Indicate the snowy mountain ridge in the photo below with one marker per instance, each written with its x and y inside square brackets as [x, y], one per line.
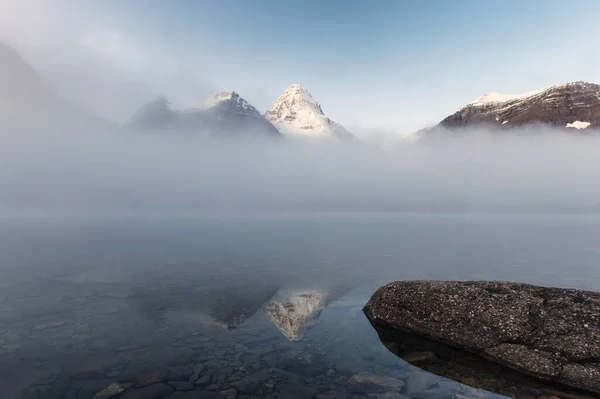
[497, 98]
[572, 106]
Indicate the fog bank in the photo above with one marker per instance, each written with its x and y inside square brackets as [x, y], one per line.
[117, 173]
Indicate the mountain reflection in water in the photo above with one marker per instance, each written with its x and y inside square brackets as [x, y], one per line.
[295, 311]
[260, 340]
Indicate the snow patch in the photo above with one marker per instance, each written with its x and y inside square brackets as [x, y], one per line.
[578, 125]
[218, 97]
[495, 98]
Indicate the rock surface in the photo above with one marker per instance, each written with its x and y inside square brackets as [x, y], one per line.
[549, 333]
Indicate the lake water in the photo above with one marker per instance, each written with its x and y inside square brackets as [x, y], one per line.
[249, 306]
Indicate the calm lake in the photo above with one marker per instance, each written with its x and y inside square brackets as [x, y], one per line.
[238, 306]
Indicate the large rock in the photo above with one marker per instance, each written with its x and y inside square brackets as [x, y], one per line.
[549, 333]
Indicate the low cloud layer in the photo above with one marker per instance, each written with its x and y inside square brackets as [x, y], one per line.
[84, 173]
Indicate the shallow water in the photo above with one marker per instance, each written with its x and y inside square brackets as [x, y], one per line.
[264, 306]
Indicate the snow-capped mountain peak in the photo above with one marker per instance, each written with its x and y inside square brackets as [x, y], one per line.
[296, 112]
[297, 96]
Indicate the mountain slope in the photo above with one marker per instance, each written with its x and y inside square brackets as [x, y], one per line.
[223, 114]
[155, 115]
[297, 113]
[231, 114]
[27, 101]
[572, 106]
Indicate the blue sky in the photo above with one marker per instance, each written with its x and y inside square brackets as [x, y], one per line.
[398, 65]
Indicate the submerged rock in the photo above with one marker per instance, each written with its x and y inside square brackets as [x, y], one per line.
[153, 377]
[417, 358]
[156, 391]
[110, 392]
[552, 334]
[367, 382]
[196, 395]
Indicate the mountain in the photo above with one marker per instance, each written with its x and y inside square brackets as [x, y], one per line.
[28, 102]
[295, 311]
[223, 114]
[418, 135]
[573, 106]
[155, 115]
[231, 114]
[297, 113]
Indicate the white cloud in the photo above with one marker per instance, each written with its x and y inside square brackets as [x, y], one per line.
[113, 47]
[109, 43]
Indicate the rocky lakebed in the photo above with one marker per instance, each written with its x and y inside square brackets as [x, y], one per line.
[63, 338]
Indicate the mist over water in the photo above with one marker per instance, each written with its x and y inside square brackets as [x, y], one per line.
[80, 173]
[134, 294]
